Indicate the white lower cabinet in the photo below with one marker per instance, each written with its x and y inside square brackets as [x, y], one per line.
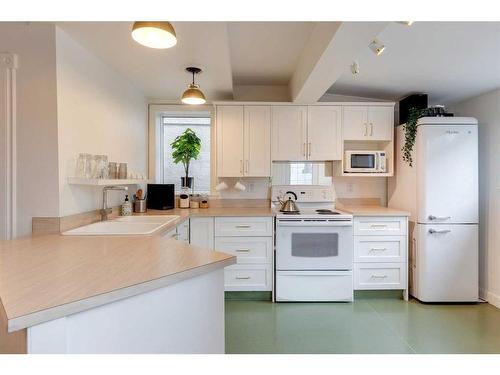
[250, 239]
[249, 250]
[381, 253]
[380, 276]
[180, 232]
[202, 232]
[248, 277]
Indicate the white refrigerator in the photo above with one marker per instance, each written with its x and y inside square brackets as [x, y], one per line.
[441, 192]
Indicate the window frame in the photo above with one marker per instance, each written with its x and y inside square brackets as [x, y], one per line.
[155, 145]
[161, 133]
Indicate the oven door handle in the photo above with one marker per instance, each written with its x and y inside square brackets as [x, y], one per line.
[309, 224]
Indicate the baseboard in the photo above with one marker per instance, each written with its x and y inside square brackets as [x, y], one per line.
[248, 296]
[493, 299]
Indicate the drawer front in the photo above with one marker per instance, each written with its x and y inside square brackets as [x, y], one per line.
[380, 249]
[379, 276]
[244, 226]
[380, 226]
[248, 277]
[247, 249]
[314, 286]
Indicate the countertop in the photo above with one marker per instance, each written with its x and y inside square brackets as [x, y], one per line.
[50, 276]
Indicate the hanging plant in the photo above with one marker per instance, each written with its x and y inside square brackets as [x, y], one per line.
[410, 129]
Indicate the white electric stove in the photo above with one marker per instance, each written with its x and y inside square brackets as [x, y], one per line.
[314, 248]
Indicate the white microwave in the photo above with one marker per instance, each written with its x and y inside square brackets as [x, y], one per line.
[361, 161]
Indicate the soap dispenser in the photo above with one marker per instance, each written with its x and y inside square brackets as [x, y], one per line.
[126, 209]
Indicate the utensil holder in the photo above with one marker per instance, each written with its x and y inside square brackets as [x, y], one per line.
[140, 206]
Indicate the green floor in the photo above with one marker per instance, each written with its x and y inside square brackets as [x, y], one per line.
[369, 325]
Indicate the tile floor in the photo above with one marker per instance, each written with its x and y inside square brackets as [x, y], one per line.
[368, 325]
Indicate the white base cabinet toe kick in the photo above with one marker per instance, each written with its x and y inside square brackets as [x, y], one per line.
[381, 253]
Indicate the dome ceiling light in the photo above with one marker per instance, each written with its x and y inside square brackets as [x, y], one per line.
[193, 95]
[154, 34]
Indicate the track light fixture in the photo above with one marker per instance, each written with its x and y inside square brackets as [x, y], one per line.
[376, 47]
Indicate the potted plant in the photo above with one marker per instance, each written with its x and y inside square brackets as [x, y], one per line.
[410, 129]
[186, 147]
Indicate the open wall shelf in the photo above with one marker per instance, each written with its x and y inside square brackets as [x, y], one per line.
[105, 182]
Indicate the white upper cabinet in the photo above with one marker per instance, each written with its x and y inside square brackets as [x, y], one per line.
[372, 123]
[355, 124]
[257, 141]
[324, 127]
[289, 133]
[230, 158]
[243, 141]
[381, 121]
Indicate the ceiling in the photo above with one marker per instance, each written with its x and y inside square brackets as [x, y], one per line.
[450, 61]
[160, 73]
[266, 53]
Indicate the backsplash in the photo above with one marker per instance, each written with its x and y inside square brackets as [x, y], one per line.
[345, 187]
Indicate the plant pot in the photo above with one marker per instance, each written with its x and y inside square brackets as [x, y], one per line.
[187, 184]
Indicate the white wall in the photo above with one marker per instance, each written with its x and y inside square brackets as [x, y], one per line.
[99, 112]
[486, 108]
[37, 172]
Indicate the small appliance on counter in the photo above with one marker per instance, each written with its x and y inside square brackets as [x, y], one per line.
[184, 200]
[161, 197]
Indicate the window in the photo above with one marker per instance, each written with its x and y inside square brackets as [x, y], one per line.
[170, 128]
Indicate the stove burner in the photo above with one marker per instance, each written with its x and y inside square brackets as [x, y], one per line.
[327, 212]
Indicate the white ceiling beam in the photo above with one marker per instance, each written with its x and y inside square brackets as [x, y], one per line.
[330, 50]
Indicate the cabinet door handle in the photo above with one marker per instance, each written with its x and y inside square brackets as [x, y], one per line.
[241, 166]
[378, 249]
[432, 217]
[304, 149]
[247, 166]
[371, 129]
[366, 129]
[309, 149]
[243, 226]
[242, 250]
[434, 231]
[378, 225]
[242, 277]
[379, 276]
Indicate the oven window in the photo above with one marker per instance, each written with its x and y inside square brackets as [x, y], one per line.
[315, 245]
[362, 161]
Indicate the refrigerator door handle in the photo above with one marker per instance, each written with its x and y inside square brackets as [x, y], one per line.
[432, 217]
[434, 231]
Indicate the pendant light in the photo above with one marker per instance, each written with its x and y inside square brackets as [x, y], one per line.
[157, 34]
[193, 94]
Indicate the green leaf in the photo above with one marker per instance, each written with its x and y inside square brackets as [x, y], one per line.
[410, 129]
[186, 147]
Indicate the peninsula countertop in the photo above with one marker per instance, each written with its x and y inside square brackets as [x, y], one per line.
[46, 277]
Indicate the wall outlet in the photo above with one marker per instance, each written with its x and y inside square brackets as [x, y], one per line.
[350, 187]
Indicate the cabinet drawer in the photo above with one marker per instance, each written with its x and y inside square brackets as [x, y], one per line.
[248, 277]
[380, 249]
[379, 276]
[247, 249]
[380, 226]
[244, 226]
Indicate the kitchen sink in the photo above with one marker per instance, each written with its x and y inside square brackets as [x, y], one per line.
[124, 225]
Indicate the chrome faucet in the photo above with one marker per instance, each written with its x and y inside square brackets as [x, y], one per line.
[105, 211]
